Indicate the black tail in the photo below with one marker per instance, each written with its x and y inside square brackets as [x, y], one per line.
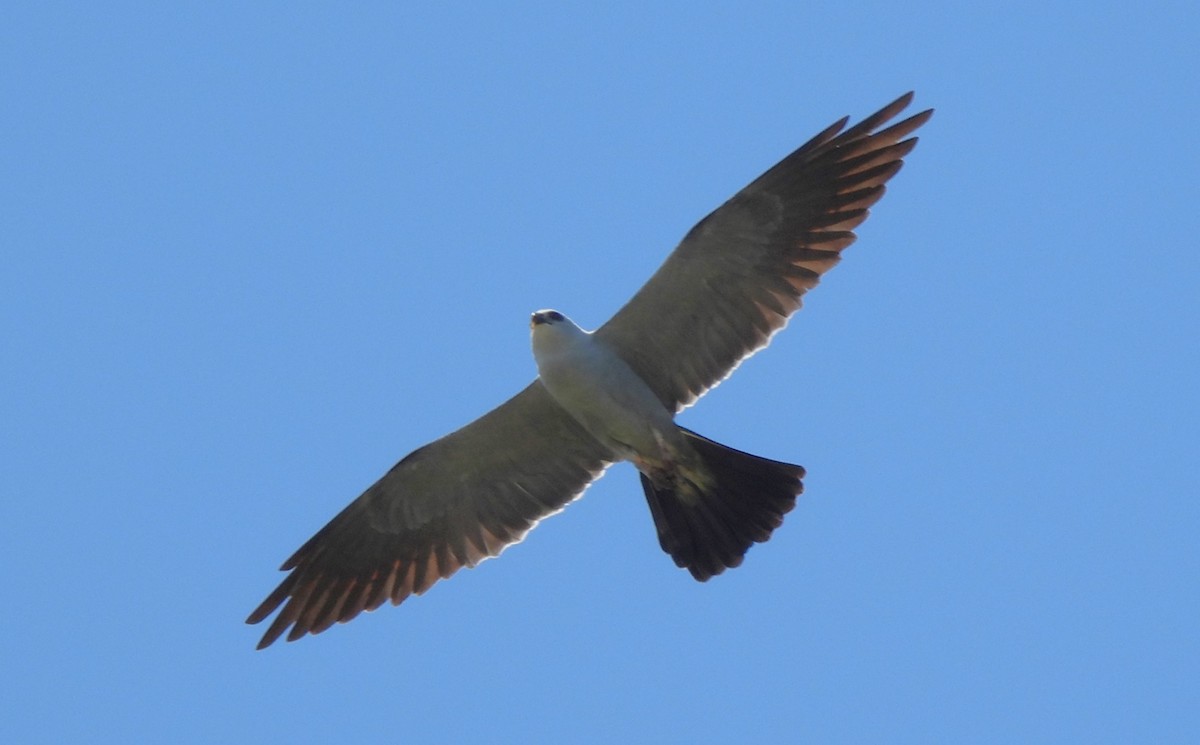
[747, 502]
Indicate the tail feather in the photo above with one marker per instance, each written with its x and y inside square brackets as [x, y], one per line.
[745, 504]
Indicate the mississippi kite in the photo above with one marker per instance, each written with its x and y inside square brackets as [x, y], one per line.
[611, 395]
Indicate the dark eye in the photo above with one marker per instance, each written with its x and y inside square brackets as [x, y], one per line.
[555, 315]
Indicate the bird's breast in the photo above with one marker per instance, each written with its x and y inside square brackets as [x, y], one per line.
[607, 397]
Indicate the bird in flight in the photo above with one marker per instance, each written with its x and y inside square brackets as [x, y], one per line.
[612, 395]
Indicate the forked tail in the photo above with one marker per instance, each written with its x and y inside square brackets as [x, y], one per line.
[745, 504]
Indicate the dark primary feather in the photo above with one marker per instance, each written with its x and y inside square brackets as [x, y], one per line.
[448, 505]
[739, 274]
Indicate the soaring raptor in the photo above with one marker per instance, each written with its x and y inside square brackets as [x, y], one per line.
[612, 395]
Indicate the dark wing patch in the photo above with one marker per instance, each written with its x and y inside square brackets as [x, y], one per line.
[448, 505]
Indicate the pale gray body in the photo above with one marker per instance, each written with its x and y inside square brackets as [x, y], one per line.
[612, 402]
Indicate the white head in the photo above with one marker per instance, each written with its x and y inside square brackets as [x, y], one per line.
[552, 332]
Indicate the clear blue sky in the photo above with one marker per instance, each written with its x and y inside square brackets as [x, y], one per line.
[252, 257]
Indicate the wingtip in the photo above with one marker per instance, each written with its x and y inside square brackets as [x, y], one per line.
[259, 614]
[902, 103]
[922, 116]
[895, 107]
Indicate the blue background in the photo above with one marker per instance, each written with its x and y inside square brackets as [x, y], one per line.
[253, 256]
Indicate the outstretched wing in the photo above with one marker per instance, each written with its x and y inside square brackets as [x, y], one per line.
[739, 274]
[448, 505]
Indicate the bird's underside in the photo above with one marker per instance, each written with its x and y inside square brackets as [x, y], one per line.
[733, 281]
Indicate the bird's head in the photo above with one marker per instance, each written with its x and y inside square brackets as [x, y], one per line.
[547, 318]
[552, 331]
